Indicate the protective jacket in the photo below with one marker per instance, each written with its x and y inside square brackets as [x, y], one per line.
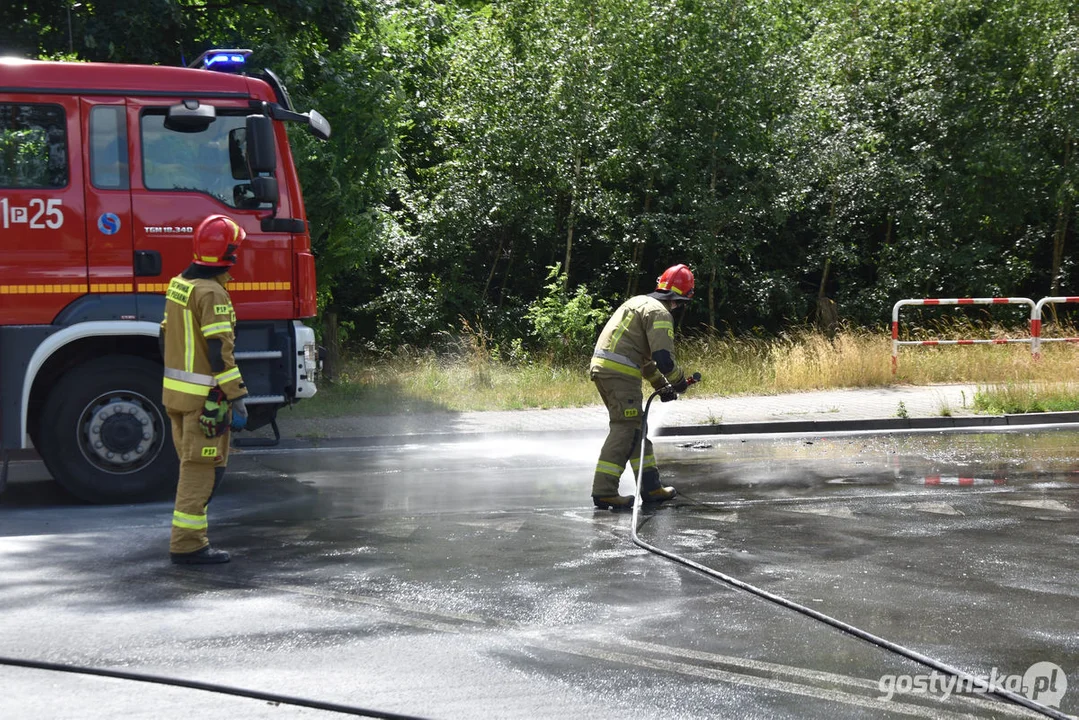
[198, 338]
[638, 341]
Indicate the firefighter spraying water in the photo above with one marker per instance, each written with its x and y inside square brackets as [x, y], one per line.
[637, 342]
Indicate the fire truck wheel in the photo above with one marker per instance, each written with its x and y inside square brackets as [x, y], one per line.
[105, 436]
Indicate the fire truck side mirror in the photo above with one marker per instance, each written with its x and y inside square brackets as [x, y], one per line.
[264, 189]
[261, 153]
[320, 126]
[190, 116]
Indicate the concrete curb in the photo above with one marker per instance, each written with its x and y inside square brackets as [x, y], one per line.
[798, 427]
[810, 427]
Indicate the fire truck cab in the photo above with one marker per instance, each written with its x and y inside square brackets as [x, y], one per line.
[105, 170]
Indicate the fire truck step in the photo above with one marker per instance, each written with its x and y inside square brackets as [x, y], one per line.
[260, 442]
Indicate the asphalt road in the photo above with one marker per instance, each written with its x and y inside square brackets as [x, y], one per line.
[469, 577]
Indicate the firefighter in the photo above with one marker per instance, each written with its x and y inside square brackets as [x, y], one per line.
[203, 391]
[637, 342]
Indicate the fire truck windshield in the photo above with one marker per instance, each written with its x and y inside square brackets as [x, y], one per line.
[212, 161]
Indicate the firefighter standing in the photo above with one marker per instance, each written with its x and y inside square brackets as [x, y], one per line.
[202, 383]
[637, 342]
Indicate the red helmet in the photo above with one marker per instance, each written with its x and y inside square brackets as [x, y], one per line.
[676, 283]
[217, 238]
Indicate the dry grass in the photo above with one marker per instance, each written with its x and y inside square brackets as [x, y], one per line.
[472, 375]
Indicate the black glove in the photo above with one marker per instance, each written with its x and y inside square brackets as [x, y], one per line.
[667, 393]
[681, 386]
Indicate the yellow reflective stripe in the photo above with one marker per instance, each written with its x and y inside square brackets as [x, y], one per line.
[663, 325]
[66, 289]
[197, 378]
[608, 355]
[189, 341]
[216, 328]
[228, 376]
[649, 461]
[142, 288]
[607, 468]
[192, 522]
[185, 387]
[251, 286]
[622, 327]
[617, 367]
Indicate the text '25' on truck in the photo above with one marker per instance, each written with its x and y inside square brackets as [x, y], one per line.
[105, 170]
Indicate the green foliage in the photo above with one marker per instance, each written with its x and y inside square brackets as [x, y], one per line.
[1015, 398]
[25, 154]
[793, 152]
[566, 325]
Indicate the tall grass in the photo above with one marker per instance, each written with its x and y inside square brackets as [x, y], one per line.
[473, 373]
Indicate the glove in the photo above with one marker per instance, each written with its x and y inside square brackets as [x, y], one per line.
[215, 411]
[681, 386]
[667, 393]
[239, 414]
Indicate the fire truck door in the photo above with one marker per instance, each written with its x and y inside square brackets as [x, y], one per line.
[109, 232]
[181, 178]
[42, 247]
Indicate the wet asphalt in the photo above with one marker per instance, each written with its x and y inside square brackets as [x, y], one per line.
[466, 576]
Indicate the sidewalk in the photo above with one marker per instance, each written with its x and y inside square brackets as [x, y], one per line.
[891, 408]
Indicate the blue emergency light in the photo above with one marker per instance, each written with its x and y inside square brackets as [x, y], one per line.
[230, 60]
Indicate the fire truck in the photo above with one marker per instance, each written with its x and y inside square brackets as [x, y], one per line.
[105, 170]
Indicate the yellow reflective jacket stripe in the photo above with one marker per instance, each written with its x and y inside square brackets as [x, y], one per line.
[189, 341]
[626, 320]
[227, 376]
[184, 387]
[189, 377]
[617, 367]
[216, 328]
[615, 357]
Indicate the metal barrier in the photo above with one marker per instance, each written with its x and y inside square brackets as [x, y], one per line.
[1036, 325]
[937, 480]
[896, 342]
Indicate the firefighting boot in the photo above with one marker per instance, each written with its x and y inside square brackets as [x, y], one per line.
[613, 502]
[204, 556]
[651, 489]
[660, 494]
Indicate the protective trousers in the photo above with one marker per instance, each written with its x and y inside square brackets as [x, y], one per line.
[202, 465]
[622, 396]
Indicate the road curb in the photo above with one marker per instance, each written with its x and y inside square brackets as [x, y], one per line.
[809, 427]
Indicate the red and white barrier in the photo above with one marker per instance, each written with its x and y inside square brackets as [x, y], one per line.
[935, 480]
[1036, 325]
[896, 342]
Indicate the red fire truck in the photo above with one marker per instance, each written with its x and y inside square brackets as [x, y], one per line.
[105, 170]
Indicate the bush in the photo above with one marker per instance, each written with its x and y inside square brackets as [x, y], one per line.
[566, 325]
